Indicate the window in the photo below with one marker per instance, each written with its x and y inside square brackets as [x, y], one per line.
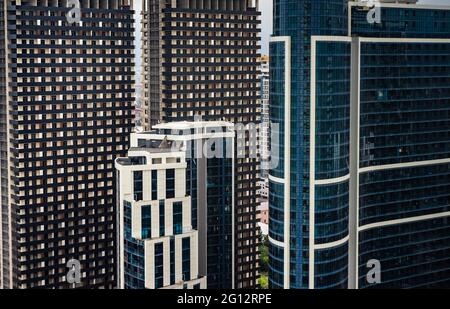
[186, 256]
[170, 183]
[146, 222]
[137, 180]
[162, 225]
[159, 266]
[177, 218]
[154, 185]
[172, 260]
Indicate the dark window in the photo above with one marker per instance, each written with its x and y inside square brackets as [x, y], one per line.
[170, 183]
[186, 256]
[146, 221]
[154, 185]
[177, 218]
[137, 180]
[159, 269]
[172, 261]
[162, 225]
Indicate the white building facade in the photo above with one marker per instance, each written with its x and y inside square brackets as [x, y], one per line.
[177, 207]
[158, 248]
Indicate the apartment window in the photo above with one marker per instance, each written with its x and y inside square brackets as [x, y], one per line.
[137, 180]
[170, 183]
[154, 185]
[159, 266]
[162, 225]
[146, 219]
[186, 256]
[172, 260]
[177, 218]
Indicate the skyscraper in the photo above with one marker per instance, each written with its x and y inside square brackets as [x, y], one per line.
[66, 114]
[361, 94]
[167, 168]
[265, 124]
[201, 59]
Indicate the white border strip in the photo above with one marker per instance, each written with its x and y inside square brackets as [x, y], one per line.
[403, 165]
[333, 244]
[276, 242]
[312, 162]
[402, 40]
[330, 181]
[403, 221]
[287, 155]
[276, 179]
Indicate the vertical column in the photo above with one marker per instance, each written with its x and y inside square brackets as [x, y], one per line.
[287, 156]
[202, 211]
[312, 164]
[354, 162]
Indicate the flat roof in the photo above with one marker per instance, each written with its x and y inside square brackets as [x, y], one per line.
[185, 125]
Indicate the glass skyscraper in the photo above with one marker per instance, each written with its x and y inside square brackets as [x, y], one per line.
[364, 173]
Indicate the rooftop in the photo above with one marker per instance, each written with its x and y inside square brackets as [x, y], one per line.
[186, 125]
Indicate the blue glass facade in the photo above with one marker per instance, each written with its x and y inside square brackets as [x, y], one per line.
[411, 255]
[403, 22]
[299, 20]
[219, 222]
[219, 204]
[332, 158]
[134, 259]
[331, 268]
[404, 106]
[404, 146]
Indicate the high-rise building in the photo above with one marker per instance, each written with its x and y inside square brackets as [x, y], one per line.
[265, 121]
[362, 96]
[188, 165]
[201, 59]
[157, 244]
[66, 114]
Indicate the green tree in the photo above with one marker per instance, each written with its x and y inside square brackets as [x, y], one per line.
[264, 263]
[264, 282]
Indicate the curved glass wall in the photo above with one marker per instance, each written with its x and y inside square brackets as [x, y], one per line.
[276, 267]
[404, 192]
[332, 213]
[332, 109]
[276, 211]
[299, 20]
[331, 268]
[405, 90]
[411, 255]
